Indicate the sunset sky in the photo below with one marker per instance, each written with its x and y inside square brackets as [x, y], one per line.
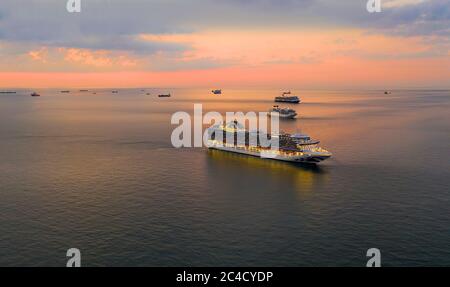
[177, 43]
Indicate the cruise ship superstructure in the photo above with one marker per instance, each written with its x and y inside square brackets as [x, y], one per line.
[292, 148]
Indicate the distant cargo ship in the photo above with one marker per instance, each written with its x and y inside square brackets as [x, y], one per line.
[65, 92]
[217, 92]
[292, 148]
[285, 98]
[7, 92]
[34, 94]
[165, 95]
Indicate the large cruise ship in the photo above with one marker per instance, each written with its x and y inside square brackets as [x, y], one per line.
[292, 148]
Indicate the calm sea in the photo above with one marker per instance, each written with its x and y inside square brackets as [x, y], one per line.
[98, 172]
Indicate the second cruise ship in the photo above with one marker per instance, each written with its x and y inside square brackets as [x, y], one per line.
[286, 97]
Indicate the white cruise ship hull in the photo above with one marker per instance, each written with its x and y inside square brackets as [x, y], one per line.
[309, 157]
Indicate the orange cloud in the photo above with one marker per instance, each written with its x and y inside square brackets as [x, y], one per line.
[260, 47]
[293, 58]
[39, 55]
[96, 58]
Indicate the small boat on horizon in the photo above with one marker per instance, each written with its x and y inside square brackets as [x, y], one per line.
[164, 95]
[7, 92]
[65, 92]
[34, 94]
[282, 113]
[115, 92]
[217, 92]
[84, 90]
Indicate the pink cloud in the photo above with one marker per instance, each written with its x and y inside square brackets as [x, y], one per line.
[39, 55]
[96, 58]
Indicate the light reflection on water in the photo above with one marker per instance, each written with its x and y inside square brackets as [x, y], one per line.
[302, 178]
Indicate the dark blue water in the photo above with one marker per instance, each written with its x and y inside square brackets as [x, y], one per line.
[98, 172]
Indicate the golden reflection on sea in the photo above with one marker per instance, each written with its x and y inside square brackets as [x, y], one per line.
[303, 177]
